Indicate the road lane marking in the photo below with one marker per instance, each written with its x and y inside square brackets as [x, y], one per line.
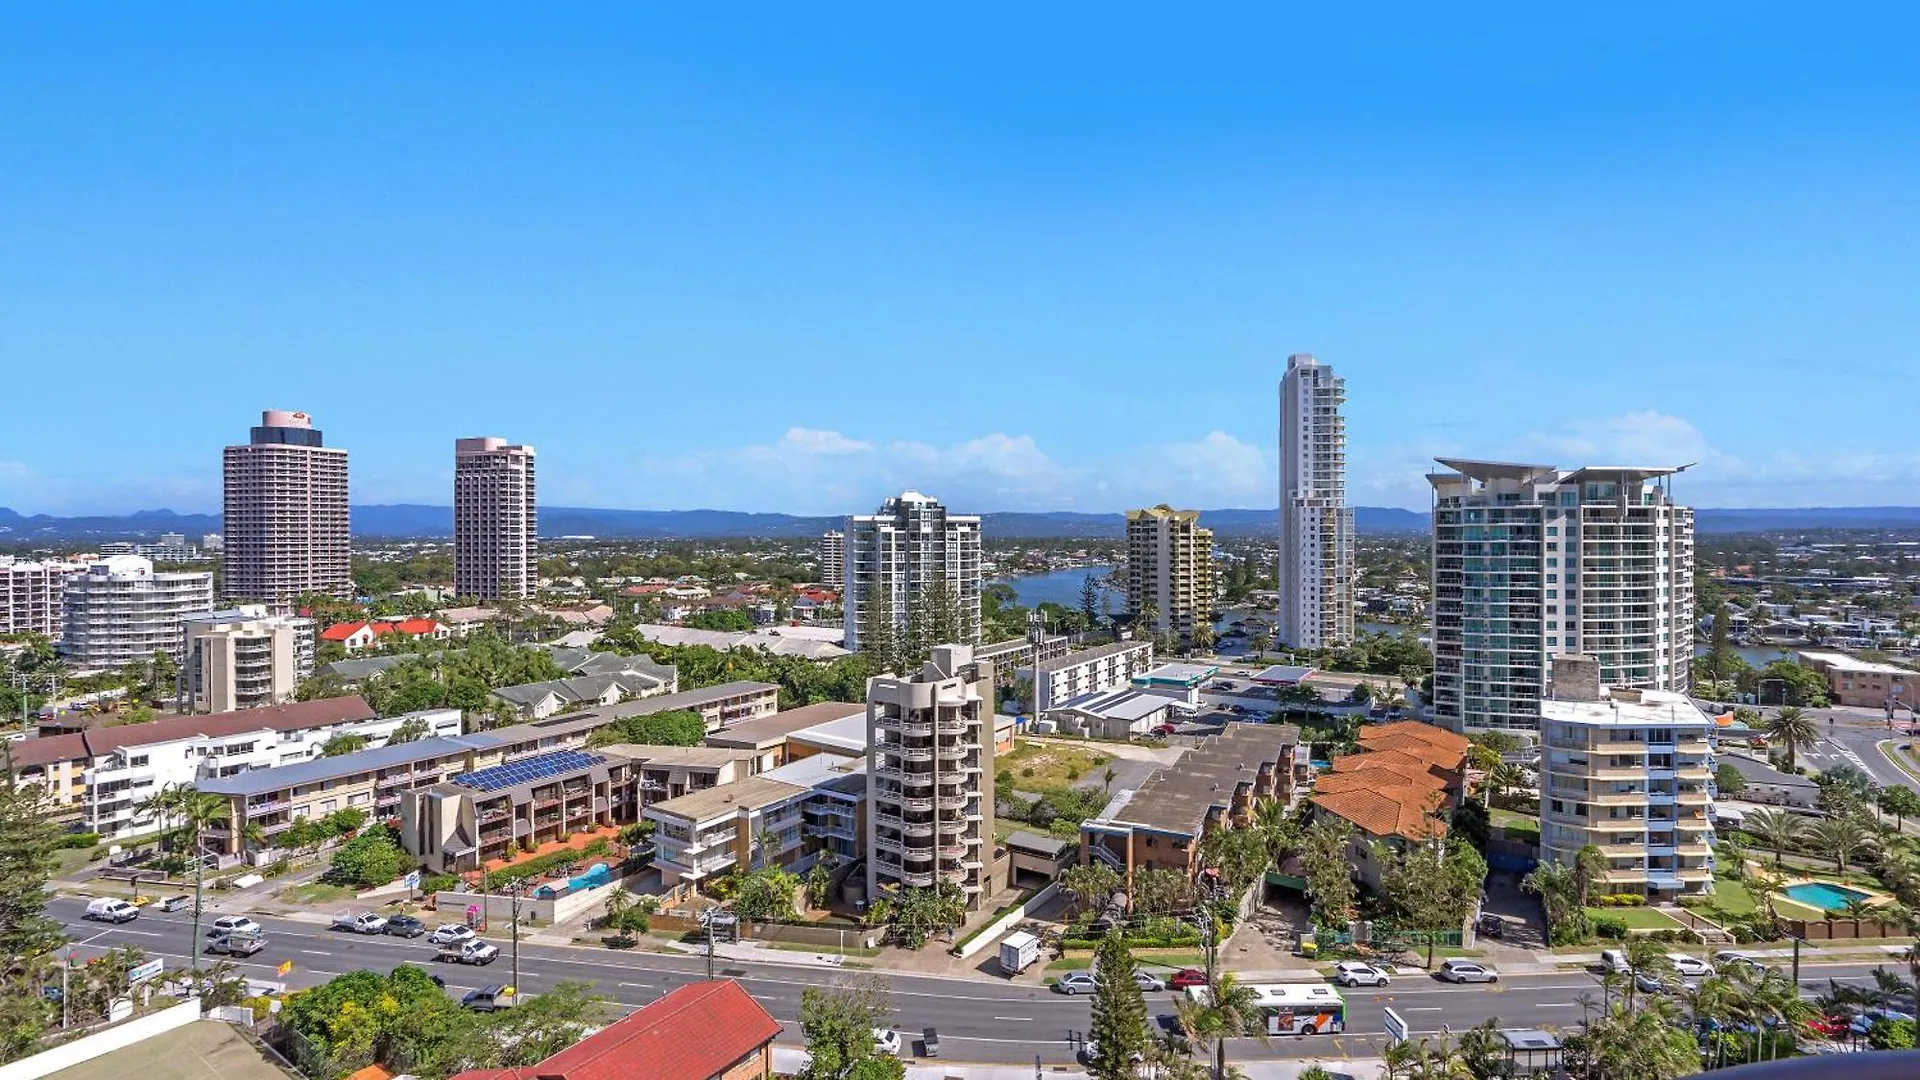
[1556, 1004]
[92, 939]
[1027, 1019]
[1424, 1008]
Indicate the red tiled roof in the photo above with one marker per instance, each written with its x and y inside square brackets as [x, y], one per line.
[1437, 737]
[693, 1033]
[30, 753]
[300, 714]
[1386, 811]
[416, 626]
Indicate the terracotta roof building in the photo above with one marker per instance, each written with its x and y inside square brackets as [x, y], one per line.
[1398, 788]
[702, 1031]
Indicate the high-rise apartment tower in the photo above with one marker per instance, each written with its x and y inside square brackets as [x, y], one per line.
[1316, 524]
[286, 530]
[833, 558]
[1531, 562]
[930, 777]
[1170, 564]
[495, 521]
[894, 557]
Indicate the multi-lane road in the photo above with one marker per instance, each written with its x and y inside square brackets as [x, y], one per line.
[978, 1020]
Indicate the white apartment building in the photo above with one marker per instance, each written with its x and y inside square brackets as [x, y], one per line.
[1531, 562]
[1629, 771]
[1316, 524]
[129, 764]
[244, 658]
[170, 548]
[286, 528]
[894, 556]
[1089, 671]
[31, 595]
[121, 612]
[1170, 563]
[930, 777]
[495, 520]
[833, 558]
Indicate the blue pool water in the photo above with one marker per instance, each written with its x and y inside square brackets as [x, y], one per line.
[1821, 895]
[596, 875]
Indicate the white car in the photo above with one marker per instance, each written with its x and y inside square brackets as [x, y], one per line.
[1148, 982]
[886, 1041]
[1689, 965]
[1075, 982]
[1736, 958]
[1353, 973]
[1466, 971]
[362, 923]
[451, 934]
[234, 924]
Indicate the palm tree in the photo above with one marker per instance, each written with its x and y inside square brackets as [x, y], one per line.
[1230, 1009]
[1855, 909]
[1902, 803]
[1776, 829]
[1842, 838]
[1503, 778]
[1792, 728]
[1553, 883]
[196, 811]
[1146, 617]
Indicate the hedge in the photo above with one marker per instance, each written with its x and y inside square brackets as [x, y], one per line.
[79, 840]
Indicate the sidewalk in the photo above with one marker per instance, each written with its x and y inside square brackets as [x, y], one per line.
[789, 1061]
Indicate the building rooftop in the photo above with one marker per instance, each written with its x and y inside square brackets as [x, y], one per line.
[1178, 797]
[1098, 652]
[321, 712]
[1282, 675]
[845, 735]
[693, 1033]
[772, 730]
[1188, 675]
[261, 781]
[698, 757]
[1380, 810]
[575, 723]
[205, 1049]
[815, 770]
[527, 770]
[1840, 661]
[1031, 841]
[1127, 705]
[750, 793]
[805, 647]
[1630, 708]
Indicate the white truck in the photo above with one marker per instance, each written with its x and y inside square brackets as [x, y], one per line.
[110, 909]
[1017, 951]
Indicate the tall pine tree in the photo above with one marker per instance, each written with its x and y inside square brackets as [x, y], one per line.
[1117, 1036]
[879, 637]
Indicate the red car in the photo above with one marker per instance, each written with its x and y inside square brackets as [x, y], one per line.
[1186, 977]
[1165, 729]
[1831, 1026]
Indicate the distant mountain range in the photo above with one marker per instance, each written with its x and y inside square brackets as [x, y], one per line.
[410, 519]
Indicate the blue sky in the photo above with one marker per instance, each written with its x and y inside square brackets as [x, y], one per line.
[1021, 257]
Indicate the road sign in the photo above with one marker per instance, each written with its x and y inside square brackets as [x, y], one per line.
[1396, 1027]
[286, 966]
[412, 880]
[143, 972]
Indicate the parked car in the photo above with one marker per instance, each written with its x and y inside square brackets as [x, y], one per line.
[1864, 1022]
[1074, 982]
[238, 944]
[1457, 970]
[1736, 958]
[451, 934]
[405, 926]
[1186, 977]
[489, 998]
[111, 909]
[364, 922]
[176, 903]
[886, 1041]
[1165, 729]
[929, 1043]
[1830, 1026]
[1614, 960]
[1224, 684]
[1493, 925]
[1148, 982]
[234, 924]
[469, 952]
[1689, 966]
[1354, 973]
[1648, 983]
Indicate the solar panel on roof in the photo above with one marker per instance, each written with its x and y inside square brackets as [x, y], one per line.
[495, 777]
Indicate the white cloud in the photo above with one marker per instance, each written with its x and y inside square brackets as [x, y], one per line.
[801, 440]
[1648, 437]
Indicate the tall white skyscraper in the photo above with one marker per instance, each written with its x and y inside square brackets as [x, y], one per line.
[495, 520]
[893, 556]
[1531, 562]
[833, 558]
[285, 518]
[1316, 524]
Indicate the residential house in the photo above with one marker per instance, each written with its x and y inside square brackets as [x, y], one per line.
[710, 1030]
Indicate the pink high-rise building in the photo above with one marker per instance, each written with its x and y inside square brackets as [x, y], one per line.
[286, 528]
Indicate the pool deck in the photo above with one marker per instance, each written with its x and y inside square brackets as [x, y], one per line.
[1873, 897]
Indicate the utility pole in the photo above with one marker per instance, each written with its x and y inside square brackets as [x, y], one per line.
[513, 889]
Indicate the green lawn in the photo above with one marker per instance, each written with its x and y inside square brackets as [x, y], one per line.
[1733, 897]
[1520, 826]
[1636, 918]
[316, 892]
[1038, 766]
[1793, 909]
[1172, 961]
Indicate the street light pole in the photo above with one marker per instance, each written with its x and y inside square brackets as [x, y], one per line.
[513, 889]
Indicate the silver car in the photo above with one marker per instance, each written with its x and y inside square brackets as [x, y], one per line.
[1075, 982]
[1466, 971]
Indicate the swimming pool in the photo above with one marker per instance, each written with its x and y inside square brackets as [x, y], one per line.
[1822, 895]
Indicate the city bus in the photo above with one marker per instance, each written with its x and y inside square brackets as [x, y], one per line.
[1293, 1008]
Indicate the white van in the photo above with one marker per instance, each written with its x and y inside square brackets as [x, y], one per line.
[1614, 960]
[109, 909]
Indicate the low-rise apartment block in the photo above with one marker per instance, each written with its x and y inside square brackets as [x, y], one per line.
[1399, 788]
[492, 814]
[1089, 671]
[372, 781]
[1866, 684]
[121, 611]
[668, 772]
[31, 595]
[728, 703]
[829, 727]
[1221, 782]
[244, 658]
[1629, 771]
[749, 824]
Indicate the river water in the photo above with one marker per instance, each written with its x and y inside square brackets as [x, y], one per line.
[1059, 587]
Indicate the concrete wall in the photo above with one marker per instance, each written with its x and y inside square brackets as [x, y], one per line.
[1004, 923]
[118, 1037]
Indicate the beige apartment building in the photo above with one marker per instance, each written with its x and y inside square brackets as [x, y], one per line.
[30, 595]
[495, 520]
[1170, 564]
[285, 513]
[1629, 771]
[244, 658]
[930, 778]
[500, 811]
[1865, 684]
[750, 823]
